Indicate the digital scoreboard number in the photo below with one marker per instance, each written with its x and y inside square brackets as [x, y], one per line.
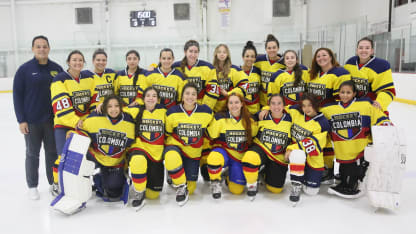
[142, 18]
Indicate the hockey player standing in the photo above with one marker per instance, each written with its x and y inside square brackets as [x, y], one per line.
[326, 75]
[291, 82]
[230, 77]
[103, 78]
[268, 64]
[127, 82]
[71, 93]
[372, 75]
[253, 75]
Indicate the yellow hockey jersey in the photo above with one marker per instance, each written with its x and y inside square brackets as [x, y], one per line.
[309, 135]
[267, 69]
[283, 82]
[151, 135]
[71, 99]
[229, 134]
[103, 86]
[187, 130]
[203, 75]
[235, 82]
[274, 136]
[110, 139]
[124, 87]
[351, 127]
[326, 86]
[252, 88]
[169, 86]
[374, 80]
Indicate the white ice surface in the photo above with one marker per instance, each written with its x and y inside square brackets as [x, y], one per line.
[268, 213]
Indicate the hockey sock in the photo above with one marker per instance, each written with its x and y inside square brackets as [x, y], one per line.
[251, 162]
[215, 163]
[174, 166]
[138, 169]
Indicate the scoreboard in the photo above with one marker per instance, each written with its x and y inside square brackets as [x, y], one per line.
[142, 18]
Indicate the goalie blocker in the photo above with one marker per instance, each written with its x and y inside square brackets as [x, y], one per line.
[74, 173]
[387, 157]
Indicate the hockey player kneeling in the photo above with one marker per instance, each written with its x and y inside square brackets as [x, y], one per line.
[111, 134]
[387, 157]
[74, 173]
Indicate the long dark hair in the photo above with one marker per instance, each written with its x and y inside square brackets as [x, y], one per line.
[245, 115]
[107, 100]
[184, 61]
[139, 117]
[312, 98]
[315, 68]
[138, 69]
[296, 69]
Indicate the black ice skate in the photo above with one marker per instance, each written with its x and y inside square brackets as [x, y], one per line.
[252, 191]
[216, 189]
[138, 199]
[344, 191]
[182, 194]
[295, 193]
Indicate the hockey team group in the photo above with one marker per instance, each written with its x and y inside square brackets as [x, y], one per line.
[116, 134]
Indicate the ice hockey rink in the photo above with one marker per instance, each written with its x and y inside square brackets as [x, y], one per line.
[268, 213]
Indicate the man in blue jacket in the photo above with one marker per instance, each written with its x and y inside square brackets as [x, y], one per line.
[33, 109]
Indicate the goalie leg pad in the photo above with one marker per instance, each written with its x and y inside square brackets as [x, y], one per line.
[74, 173]
[387, 157]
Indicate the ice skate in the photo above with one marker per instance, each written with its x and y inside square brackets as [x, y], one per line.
[328, 177]
[216, 189]
[138, 199]
[252, 191]
[182, 194]
[295, 193]
[344, 191]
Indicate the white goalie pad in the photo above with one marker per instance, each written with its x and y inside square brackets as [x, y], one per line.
[297, 160]
[74, 173]
[387, 157]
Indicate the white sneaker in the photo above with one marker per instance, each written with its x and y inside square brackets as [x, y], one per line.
[34, 193]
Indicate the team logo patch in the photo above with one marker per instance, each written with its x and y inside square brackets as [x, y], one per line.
[362, 86]
[291, 92]
[236, 139]
[128, 91]
[347, 126]
[53, 73]
[167, 94]
[111, 142]
[265, 79]
[225, 83]
[81, 100]
[189, 133]
[253, 88]
[317, 89]
[151, 129]
[104, 90]
[275, 141]
[299, 133]
[197, 81]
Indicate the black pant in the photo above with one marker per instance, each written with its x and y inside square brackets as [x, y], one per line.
[39, 133]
